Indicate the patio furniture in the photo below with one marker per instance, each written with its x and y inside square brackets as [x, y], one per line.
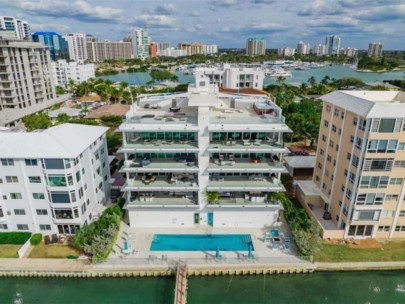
[54, 238]
[287, 239]
[287, 246]
[231, 157]
[246, 142]
[62, 239]
[47, 239]
[274, 246]
[275, 233]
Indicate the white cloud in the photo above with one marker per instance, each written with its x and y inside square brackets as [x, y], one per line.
[165, 9]
[195, 14]
[155, 21]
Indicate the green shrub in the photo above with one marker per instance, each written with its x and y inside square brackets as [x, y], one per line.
[36, 239]
[14, 238]
[72, 257]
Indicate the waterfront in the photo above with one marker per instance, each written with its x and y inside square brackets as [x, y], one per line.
[336, 71]
[321, 287]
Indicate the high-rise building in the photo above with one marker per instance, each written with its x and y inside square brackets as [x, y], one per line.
[349, 52]
[210, 49]
[255, 46]
[162, 46]
[193, 48]
[77, 46]
[58, 46]
[375, 49]
[303, 48]
[91, 38]
[320, 50]
[106, 50]
[153, 49]
[53, 181]
[358, 185]
[212, 144]
[233, 77]
[172, 52]
[332, 43]
[140, 43]
[21, 29]
[286, 52]
[26, 80]
[64, 71]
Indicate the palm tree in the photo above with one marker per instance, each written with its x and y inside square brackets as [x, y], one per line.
[280, 80]
[72, 85]
[325, 80]
[312, 81]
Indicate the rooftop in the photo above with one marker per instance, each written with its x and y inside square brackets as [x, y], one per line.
[63, 141]
[110, 109]
[369, 104]
[300, 161]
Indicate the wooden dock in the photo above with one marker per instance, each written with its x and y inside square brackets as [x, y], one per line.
[180, 291]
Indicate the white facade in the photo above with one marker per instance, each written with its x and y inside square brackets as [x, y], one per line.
[140, 43]
[320, 50]
[303, 48]
[286, 52]
[77, 46]
[332, 43]
[375, 49]
[172, 52]
[349, 52]
[64, 71]
[21, 29]
[233, 77]
[210, 49]
[53, 181]
[180, 147]
[255, 46]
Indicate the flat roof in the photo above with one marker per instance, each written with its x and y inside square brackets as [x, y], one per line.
[301, 161]
[62, 141]
[369, 104]
[110, 109]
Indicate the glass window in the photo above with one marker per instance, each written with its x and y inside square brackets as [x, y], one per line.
[60, 197]
[22, 226]
[15, 196]
[63, 213]
[19, 211]
[54, 164]
[57, 180]
[31, 162]
[34, 179]
[38, 196]
[44, 227]
[78, 176]
[386, 125]
[42, 212]
[7, 162]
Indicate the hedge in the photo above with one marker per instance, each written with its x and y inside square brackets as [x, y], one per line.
[14, 238]
[36, 239]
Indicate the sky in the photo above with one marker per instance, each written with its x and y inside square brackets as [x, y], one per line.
[228, 23]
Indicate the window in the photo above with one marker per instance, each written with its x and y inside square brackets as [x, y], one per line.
[400, 228]
[62, 213]
[31, 162]
[80, 192]
[321, 151]
[19, 211]
[382, 146]
[317, 178]
[337, 218]
[34, 179]
[402, 213]
[331, 143]
[401, 145]
[326, 172]
[78, 176]
[3, 227]
[343, 188]
[60, 197]
[326, 123]
[351, 138]
[11, 179]
[15, 196]
[396, 181]
[355, 161]
[352, 177]
[346, 172]
[374, 182]
[83, 208]
[386, 125]
[366, 215]
[22, 227]
[384, 228]
[38, 196]
[387, 213]
[57, 180]
[355, 121]
[54, 164]
[349, 194]
[391, 197]
[334, 128]
[349, 156]
[44, 227]
[370, 199]
[342, 115]
[328, 108]
[105, 178]
[323, 138]
[102, 150]
[88, 202]
[399, 164]
[362, 124]
[319, 165]
[340, 131]
[42, 212]
[329, 158]
[323, 186]
[337, 147]
[6, 162]
[336, 112]
[378, 164]
[359, 142]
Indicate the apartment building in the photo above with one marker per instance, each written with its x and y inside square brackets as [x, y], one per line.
[332, 43]
[358, 185]
[286, 52]
[320, 50]
[210, 49]
[203, 158]
[153, 49]
[172, 52]
[77, 46]
[140, 43]
[233, 77]
[105, 50]
[348, 51]
[255, 46]
[193, 48]
[303, 48]
[53, 181]
[20, 28]
[375, 49]
[57, 45]
[64, 71]
[26, 81]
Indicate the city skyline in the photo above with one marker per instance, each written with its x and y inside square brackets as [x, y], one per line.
[357, 22]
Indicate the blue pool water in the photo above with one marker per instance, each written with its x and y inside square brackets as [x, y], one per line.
[201, 242]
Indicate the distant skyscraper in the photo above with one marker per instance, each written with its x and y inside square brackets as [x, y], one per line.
[375, 49]
[153, 49]
[77, 46]
[286, 52]
[105, 50]
[140, 43]
[210, 49]
[20, 28]
[58, 46]
[333, 44]
[320, 50]
[255, 46]
[162, 46]
[303, 48]
[193, 48]
[349, 52]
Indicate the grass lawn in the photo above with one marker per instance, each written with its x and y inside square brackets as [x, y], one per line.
[53, 251]
[390, 251]
[9, 251]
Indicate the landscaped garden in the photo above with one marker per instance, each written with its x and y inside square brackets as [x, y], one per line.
[53, 251]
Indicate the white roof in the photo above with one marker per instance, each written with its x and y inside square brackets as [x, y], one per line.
[69, 111]
[369, 104]
[301, 161]
[63, 141]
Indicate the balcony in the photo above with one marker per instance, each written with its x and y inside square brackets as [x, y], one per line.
[160, 145]
[251, 183]
[158, 183]
[235, 199]
[247, 146]
[159, 165]
[145, 200]
[240, 165]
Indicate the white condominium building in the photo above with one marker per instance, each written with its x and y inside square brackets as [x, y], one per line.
[332, 43]
[77, 46]
[287, 52]
[255, 46]
[53, 181]
[210, 49]
[303, 48]
[172, 52]
[233, 77]
[140, 43]
[203, 158]
[375, 49]
[64, 71]
[21, 29]
[320, 50]
[26, 80]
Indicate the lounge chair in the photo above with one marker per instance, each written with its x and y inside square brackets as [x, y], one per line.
[287, 239]
[275, 233]
[47, 239]
[287, 246]
[274, 246]
[54, 238]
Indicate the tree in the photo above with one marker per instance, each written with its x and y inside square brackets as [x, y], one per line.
[59, 90]
[37, 121]
[212, 197]
[62, 118]
[112, 121]
[308, 242]
[72, 85]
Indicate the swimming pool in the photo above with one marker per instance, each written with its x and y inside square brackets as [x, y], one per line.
[201, 242]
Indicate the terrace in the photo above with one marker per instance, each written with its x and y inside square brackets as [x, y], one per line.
[159, 165]
[240, 183]
[175, 181]
[178, 199]
[238, 165]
